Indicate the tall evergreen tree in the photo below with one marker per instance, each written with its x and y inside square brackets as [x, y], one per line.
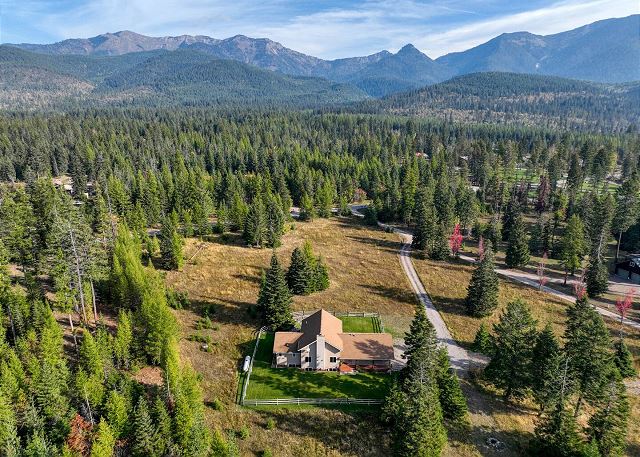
[482, 293]
[546, 368]
[608, 425]
[299, 273]
[171, 245]
[145, 432]
[510, 367]
[275, 223]
[573, 246]
[623, 359]
[588, 349]
[452, 400]
[517, 254]
[274, 299]
[255, 225]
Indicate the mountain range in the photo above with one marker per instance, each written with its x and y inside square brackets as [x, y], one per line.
[604, 51]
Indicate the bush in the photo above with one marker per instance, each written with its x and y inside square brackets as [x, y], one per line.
[209, 310]
[217, 405]
[177, 300]
[244, 432]
[266, 453]
[271, 424]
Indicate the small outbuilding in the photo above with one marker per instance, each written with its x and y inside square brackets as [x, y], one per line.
[629, 268]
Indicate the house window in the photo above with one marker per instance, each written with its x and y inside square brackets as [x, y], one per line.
[307, 359]
[333, 359]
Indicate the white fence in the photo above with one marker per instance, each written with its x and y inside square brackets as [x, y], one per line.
[313, 401]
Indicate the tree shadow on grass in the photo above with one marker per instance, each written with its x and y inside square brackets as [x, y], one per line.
[399, 294]
[384, 245]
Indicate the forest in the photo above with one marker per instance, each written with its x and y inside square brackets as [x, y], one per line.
[95, 205]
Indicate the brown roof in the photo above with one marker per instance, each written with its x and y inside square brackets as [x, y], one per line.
[321, 323]
[367, 346]
[285, 341]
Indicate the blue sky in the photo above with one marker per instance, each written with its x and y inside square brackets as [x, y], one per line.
[328, 29]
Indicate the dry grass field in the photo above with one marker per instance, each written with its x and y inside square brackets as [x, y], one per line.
[446, 283]
[365, 276]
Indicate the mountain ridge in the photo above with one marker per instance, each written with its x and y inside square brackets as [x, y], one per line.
[603, 51]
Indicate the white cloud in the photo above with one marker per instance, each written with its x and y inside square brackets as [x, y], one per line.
[350, 28]
[556, 18]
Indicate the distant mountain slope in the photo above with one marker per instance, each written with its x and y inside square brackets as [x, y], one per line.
[115, 44]
[605, 51]
[408, 69]
[523, 99]
[33, 81]
[189, 77]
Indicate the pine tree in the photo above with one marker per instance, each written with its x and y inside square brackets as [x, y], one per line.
[255, 225]
[573, 246]
[511, 214]
[307, 210]
[482, 295]
[440, 248]
[324, 197]
[546, 368]
[117, 414]
[597, 275]
[145, 434]
[275, 223]
[322, 275]
[588, 349]
[510, 367]
[299, 273]
[425, 228]
[623, 359]
[483, 342]
[421, 333]
[627, 206]
[493, 233]
[170, 245]
[517, 254]
[274, 299]
[557, 435]
[452, 400]
[419, 430]
[608, 425]
[105, 441]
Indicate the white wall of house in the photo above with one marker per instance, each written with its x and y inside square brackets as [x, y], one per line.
[331, 357]
[308, 356]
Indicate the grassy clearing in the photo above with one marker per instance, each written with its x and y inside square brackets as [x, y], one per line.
[446, 283]
[360, 324]
[365, 276]
[267, 382]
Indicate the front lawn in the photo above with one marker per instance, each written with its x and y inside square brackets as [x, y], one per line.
[267, 382]
[360, 324]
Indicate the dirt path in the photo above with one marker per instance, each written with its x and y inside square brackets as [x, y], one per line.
[462, 359]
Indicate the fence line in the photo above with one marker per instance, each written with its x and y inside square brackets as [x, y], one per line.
[313, 401]
[253, 357]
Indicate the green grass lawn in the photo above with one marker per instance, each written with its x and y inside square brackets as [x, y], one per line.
[360, 324]
[267, 382]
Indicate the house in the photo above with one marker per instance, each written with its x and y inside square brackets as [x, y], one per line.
[629, 268]
[321, 345]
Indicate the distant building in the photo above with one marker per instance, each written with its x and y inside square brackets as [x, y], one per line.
[629, 268]
[321, 345]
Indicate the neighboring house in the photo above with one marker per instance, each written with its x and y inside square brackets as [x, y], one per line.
[321, 345]
[630, 268]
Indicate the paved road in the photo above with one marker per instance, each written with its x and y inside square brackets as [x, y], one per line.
[532, 280]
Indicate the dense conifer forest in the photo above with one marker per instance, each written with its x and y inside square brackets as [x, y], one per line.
[94, 204]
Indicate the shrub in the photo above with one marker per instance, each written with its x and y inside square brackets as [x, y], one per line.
[244, 432]
[271, 424]
[217, 405]
[266, 453]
